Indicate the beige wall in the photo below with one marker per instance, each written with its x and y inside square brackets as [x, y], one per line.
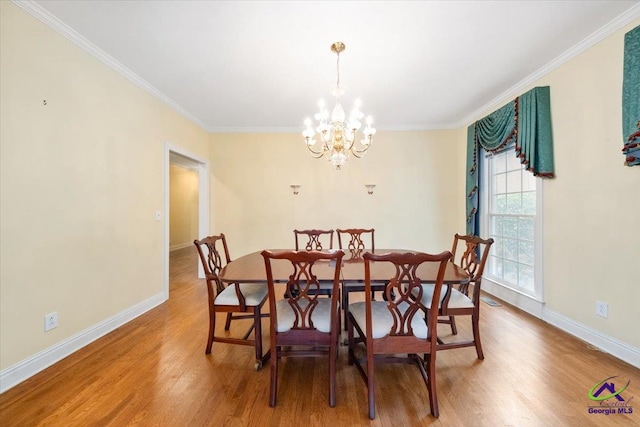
[592, 209]
[81, 179]
[183, 207]
[418, 201]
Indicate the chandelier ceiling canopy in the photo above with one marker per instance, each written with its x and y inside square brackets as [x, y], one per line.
[337, 133]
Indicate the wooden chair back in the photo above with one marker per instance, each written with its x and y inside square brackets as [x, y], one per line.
[472, 257]
[301, 290]
[313, 240]
[356, 240]
[403, 294]
[214, 254]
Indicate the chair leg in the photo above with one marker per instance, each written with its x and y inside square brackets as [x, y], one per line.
[274, 375]
[273, 362]
[370, 385]
[475, 321]
[452, 321]
[227, 324]
[257, 326]
[212, 329]
[433, 395]
[345, 307]
[350, 356]
[339, 299]
[423, 365]
[333, 353]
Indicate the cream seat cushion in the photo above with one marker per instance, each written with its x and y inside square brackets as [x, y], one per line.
[321, 315]
[254, 294]
[457, 299]
[383, 319]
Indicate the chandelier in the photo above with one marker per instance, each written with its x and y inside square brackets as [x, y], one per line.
[338, 139]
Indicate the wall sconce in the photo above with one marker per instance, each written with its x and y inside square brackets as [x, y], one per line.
[295, 188]
[370, 188]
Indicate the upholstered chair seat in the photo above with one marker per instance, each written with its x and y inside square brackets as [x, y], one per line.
[383, 319]
[321, 315]
[456, 300]
[254, 294]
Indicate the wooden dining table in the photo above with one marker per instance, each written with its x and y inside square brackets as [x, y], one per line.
[250, 268]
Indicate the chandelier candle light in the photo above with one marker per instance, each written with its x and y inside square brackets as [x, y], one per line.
[337, 136]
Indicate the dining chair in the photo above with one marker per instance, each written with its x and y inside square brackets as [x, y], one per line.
[355, 241]
[238, 300]
[455, 300]
[393, 330]
[315, 240]
[301, 323]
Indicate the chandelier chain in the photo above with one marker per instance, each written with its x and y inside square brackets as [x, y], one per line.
[338, 70]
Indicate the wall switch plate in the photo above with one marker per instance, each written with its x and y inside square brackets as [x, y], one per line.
[158, 215]
[602, 309]
[50, 321]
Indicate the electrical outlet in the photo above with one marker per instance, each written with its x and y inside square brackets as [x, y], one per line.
[602, 309]
[50, 321]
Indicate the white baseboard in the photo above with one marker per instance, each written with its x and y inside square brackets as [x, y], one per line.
[180, 246]
[608, 344]
[30, 366]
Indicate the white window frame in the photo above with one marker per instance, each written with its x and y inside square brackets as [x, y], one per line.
[530, 301]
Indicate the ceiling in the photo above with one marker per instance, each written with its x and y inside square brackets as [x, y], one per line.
[262, 66]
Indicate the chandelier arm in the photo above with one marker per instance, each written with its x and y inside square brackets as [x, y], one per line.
[363, 150]
[359, 153]
[316, 154]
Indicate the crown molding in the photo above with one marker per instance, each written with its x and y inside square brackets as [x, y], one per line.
[401, 128]
[54, 23]
[515, 90]
[222, 129]
[409, 128]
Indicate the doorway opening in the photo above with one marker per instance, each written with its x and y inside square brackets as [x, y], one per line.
[186, 210]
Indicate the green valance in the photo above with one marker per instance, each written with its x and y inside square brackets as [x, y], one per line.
[525, 121]
[497, 129]
[631, 98]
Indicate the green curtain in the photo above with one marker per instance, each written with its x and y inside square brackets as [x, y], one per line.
[472, 181]
[631, 98]
[525, 121]
[534, 141]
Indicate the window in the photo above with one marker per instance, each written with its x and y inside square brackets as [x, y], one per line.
[509, 217]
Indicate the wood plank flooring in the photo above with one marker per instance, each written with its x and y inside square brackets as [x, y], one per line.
[153, 372]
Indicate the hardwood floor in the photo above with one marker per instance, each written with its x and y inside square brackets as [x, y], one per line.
[154, 372]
